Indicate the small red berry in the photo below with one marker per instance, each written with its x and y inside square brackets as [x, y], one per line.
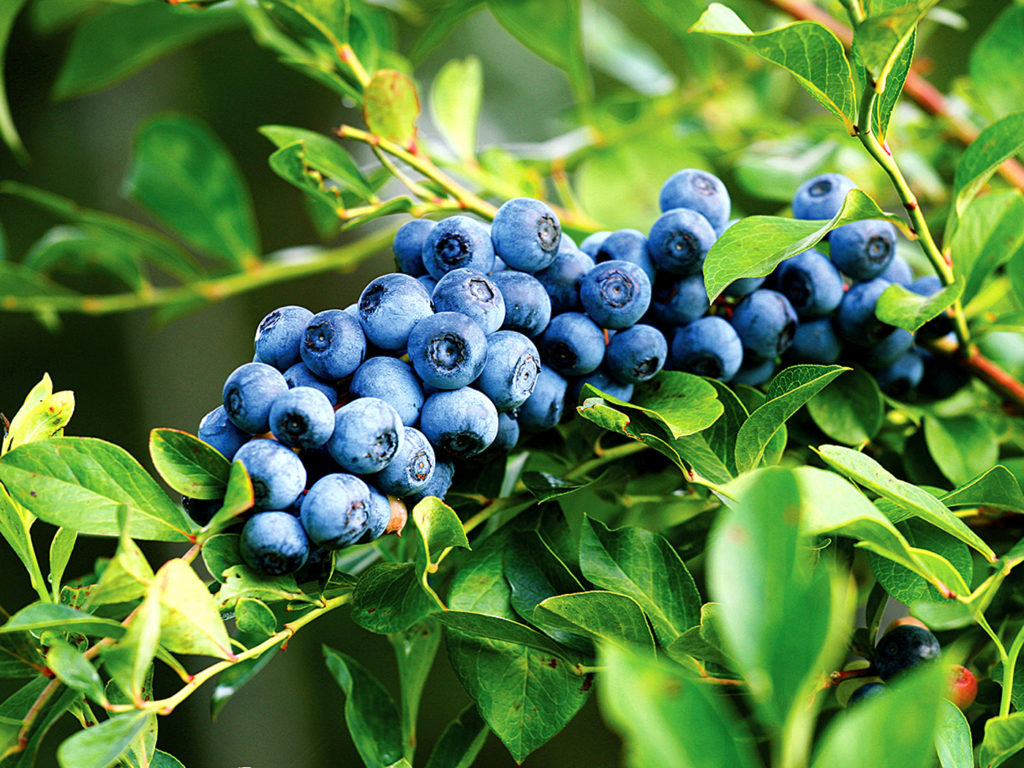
[963, 686]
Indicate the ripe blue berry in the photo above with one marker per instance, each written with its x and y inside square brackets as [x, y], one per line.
[543, 409]
[390, 306]
[249, 392]
[279, 335]
[572, 344]
[299, 375]
[866, 691]
[887, 351]
[815, 341]
[743, 286]
[602, 382]
[678, 300]
[898, 272]
[592, 243]
[699, 191]
[937, 327]
[680, 240]
[863, 249]
[855, 320]
[447, 350]
[392, 381]
[510, 374]
[367, 434]
[562, 279]
[508, 434]
[333, 345]
[766, 323]
[526, 233]
[942, 377]
[754, 372]
[472, 294]
[903, 648]
[626, 245]
[438, 485]
[278, 475]
[218, 431]
[902, 377]
[458, 241]
[411, 468]
[615, 294]
[811, 283]
[636, 354]
[459, 422]
[707, 347]
[378, 515]
[302, 417]
[821, 197]
[274, 542]
[527, 304]
[335, 512]
[408, 246]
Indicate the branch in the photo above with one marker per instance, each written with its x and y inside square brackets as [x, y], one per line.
[995, 377]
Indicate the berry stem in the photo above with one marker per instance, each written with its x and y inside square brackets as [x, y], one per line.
[1009, 665]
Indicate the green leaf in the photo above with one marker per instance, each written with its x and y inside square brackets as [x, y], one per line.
[391, 107]
[415, 649]
[526, 695]
[323, 21]
[67, 252]
[996, 487]
[755, 555]
[323, 154]
[953, 738]
[238, 498]
[439, 527]
[102, 745]
[40, 617]
[254, 617]
[43, 415]
[998, 142]
[702, 642]
[184, 176]
[79, 482]
[289, 162]
[902, 725]
[996, 58]
[191, 621]
[681, 402]
[370, 712]
[15, 525]
[551, 29]
[75, 671]
[187, 464]
[886, 102]
[118, 41]
[129, 662]
[61, 547]
[909, 588]
[645, 567]
[961, 446]
[905, 309]
[1004, 737]
[460, 742]
[787, 392]
[220, 552]
[390, 597]
[806, 49]
[667, 718]
[850, 409]
[127, 575]
[605, 616]
[19, 657]
[880, 39]
[869, 473]
[502, 630]
[8, 14]
[754, 246]
[990, 231]
[162, 759]
[479, 585]
[239, 581]
[455, 98]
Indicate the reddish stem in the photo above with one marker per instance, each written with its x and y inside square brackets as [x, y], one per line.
[841, 675]
[998, 379]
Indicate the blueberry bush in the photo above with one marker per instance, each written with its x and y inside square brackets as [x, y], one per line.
[668, 411]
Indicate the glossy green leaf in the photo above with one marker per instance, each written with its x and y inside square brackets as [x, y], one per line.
[75, 671]
[754, 246]
[239, 581]
[880, 39]
[702, 642]
[439, 527]
[481, 625]
[987, 235]
[391, 107]
[953, 738]
[40, 617]
[61, 547]
[756, 554]
[390, 597]
[961, 446]
[15, 525]
[903, 308]
[850, 409]
[998, 142]
[479, 585]
[188, 465]
[787, 392]
[323, 154]
[254, 617]
[996, 487]
[289, 162]
[8, 14]
[415, 649]
[102, 745]
[129, 662]
[162, 759]
[996, 58]
[460, 742]
[869, 473]
[681, 402]
[370, 712]
[324, 21]
[909, 588]
[645, 567]
[455, 98]
[184, 176]
[79, 482]
[887, 100]
[238, 498]
[525, 695]
[127, 575]
[668, 718]
[1004, 737]
[607, 617]
[806, 49]
[120, 40]
[191, 621]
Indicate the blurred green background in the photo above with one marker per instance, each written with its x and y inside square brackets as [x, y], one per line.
[130, 375]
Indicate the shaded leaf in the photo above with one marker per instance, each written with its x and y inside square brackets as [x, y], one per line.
[502, 630]
[231, 680]
[988, 234]
[1004, 737]
[238, 498]
[996, 487]
[415, 649]
[953, 738]
[460, 742]
[101, 745]
[390, 597]
[8, 14]
[40, 617]
[187, 464]
[850, 409]
[996, 58]
[909, 588]
[961, 446]
[75, 671]
[129, 662]
[61, 547]
[880, 39]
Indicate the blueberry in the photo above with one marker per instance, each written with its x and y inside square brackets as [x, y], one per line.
[573, 344]
[887, 351]
[249, 392]
[898, 272]
[472, 294]
[378, 516]
[863, 249]
[866, 691]
[279, 335]
[707, 347]
[821, 197]
[926, 285]
[367, 435]
[811, 283]
[392, 381]
[615, 294]
[274, 542]
[218, 431]
[942, 377]
[459, 422]
[508, 434]
[543, 409]
[458, 241]
[699, 191]
[510, 374]
[592, 243]
[527, 304]
[636, 354]
[427, 282]
[743, 286]
[499, 266]
[411, 468]
[447, 350]
[562, 279]
[390, 306]
[902, 377]
[299, 375]
[626, 245]
[766, 323]
[302, 417]
[335, 512]
[439, 483]
[754, 372]
[680, 240]
[903, 648]
[602, 382]
[333, 345]
[678, 300]
[855, 320]
[815, 341]
[408, 246]
[278, 475]
[525, 233]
